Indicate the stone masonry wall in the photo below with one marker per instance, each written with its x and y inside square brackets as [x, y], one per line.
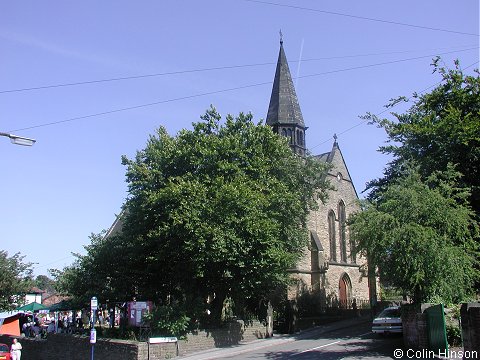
[470, 314]
[414, 322]
[232, 334]
[75, 347]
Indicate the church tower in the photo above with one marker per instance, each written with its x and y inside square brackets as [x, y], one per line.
[284, 114]
[329, 265]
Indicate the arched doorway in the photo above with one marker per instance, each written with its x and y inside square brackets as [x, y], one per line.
[344, 291]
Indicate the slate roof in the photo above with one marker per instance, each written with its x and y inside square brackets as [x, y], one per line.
[322, 157]
[328, 156]
[284, 107]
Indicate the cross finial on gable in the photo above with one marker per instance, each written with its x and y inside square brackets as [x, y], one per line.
[335, 137]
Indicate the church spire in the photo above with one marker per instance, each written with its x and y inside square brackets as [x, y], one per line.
[284, 114]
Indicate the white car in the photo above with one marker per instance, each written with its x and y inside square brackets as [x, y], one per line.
[388, 321]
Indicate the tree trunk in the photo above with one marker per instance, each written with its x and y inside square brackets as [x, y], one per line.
[216, 307]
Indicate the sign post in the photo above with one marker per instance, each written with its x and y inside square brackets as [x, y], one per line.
[93, 310]
[93, 332]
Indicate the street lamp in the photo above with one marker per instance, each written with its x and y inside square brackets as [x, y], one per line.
[19, 140]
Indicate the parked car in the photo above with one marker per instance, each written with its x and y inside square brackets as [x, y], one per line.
[388, 321]
[4, 352]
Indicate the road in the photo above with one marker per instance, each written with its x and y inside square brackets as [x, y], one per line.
[348, 342]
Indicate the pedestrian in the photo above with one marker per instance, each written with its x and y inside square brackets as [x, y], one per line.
[16, 350]
[354, 307]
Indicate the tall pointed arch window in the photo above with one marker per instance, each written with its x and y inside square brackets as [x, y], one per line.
[284, 132]
[290, 135]
[353, 252]
[342, 223]
[331, 236]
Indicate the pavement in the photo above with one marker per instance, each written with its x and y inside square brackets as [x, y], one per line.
[244, 347]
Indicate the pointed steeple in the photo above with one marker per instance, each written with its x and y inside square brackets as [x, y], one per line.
[284, 114]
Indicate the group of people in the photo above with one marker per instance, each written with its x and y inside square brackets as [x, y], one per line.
[30, 326]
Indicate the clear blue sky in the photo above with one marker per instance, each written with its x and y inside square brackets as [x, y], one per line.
[71, 182]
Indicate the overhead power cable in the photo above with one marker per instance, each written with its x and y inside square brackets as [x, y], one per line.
[140, 106]
[52, 86]
[220, 91]
[383, 63]
[383, 111]
[361, 17]
[133, 77]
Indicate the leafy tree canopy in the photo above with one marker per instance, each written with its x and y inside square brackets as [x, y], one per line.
[15, 279]
[43, 282]
[420, 235]
[91, 274]
[442, 127]
[440, 132]
[219, 210]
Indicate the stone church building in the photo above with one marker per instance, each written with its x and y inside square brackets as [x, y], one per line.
[330, 264]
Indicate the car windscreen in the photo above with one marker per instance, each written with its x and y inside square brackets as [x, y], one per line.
[3, 348]
[390, 313]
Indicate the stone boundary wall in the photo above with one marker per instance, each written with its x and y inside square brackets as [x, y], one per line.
[232, 333]
[77, 347]
[414, 322]
[470, 314]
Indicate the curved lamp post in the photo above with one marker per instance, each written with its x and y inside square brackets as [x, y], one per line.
[19, 140]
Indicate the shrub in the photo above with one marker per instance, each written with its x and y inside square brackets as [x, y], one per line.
[168, 320]
[454, 336]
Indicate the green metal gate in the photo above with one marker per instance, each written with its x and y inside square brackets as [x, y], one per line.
[436, 332]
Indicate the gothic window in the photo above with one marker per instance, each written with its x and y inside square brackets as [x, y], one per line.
[301, 138]
[290, 135]
[284, 132]
[331, 235]
[342, 231]
[353, 252]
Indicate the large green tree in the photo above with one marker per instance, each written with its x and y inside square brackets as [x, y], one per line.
[15, 279]
[217, 211]
[420, 235]
[438, 133]
[441, 128]
[94, 273]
